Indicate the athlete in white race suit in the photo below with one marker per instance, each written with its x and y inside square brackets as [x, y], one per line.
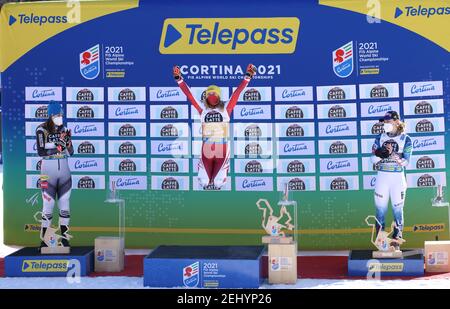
[54, 145]
[215, 118]
[391, 153]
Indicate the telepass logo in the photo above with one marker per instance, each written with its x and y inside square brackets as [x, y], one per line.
[271, 35]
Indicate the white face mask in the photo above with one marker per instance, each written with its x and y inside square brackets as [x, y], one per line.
[58, 121]
[388, 127]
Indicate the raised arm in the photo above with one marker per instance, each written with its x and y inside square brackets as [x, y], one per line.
[185, 88]
[251, 70]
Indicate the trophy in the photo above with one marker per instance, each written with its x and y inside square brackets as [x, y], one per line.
[110, 250]
[383, 242]
[279, 228]
[281, 239]
[438, 200]
[51, 238]
[114, 198]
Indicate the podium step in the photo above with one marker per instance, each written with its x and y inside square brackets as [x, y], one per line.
[204, 266]
[29, 262]
[361, 263]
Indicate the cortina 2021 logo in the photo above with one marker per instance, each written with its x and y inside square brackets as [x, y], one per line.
[90, 62]
[191, 277]
[343, 60]
[272, 35]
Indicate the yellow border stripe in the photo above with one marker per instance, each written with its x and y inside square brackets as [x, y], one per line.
[19, 38]
[224, 231]
[435, 28]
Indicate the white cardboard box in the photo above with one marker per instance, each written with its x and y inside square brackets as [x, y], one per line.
[282, 263]
[437, 255]
[109, 254]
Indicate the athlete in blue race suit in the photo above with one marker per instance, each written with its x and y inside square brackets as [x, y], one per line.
[391, 153]
[54, 145]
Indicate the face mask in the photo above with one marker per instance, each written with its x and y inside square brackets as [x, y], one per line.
[213, 99]
[388, 127]
[58, 121]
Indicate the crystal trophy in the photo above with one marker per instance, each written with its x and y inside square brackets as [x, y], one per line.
[383, 242]
[280, 224]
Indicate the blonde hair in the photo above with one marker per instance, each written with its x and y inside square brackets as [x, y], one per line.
[401, 126]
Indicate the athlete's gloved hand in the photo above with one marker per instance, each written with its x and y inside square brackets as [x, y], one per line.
[64, 140]
[60, 148]
[60, 145]
[251, 71]
[66, 137]
[389, 148]
[177, 73]
[382, 152]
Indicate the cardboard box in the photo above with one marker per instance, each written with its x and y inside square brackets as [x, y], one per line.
[109, 254]
[283, 263]
[437, 255]
[277, 240]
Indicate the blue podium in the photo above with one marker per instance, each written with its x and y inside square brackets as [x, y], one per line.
[28, 262]
[361, 263]
[204, 267]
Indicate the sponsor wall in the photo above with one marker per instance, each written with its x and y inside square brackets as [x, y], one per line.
[308, 119]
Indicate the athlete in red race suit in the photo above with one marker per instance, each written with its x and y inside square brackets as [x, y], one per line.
[215, 119]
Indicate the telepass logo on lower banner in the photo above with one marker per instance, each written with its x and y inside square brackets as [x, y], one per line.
[29, 266]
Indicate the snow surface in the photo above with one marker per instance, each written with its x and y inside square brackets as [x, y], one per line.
[137, 282]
